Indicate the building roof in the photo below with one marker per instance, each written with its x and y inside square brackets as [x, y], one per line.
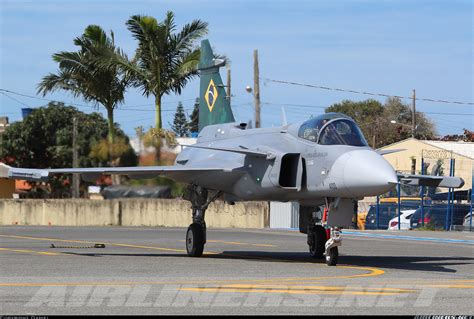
[3, 123]
[465, 149]
[462, 148]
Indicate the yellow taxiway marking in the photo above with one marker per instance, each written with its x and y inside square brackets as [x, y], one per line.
[291, 291]
[239, 243]
[90, 242]
[188, 282]
[294, 283]
[451, 286]
[323, 288]
[426, 282]
[29, 251]
[370, 271]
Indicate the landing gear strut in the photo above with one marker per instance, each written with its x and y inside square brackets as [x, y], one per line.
[196, 234]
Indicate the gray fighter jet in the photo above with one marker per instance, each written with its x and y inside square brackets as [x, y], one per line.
[324, 161]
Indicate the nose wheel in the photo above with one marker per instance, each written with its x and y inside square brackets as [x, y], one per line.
[332, 252]
[331, 256]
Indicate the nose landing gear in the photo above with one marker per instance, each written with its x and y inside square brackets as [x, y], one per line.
[324, 234]
[322, 247]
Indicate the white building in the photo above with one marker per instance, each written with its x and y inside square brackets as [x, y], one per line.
[139, 148]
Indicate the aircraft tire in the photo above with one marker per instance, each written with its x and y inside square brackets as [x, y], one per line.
[195, 240]
[317, 248]
[331, 257]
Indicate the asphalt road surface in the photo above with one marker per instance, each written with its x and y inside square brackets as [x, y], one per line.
[146, 271]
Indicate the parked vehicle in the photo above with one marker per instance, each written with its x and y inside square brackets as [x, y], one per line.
[361, 217]
[435, 216]
[468, 225]
[387, 211]
[405, 217]
[405, 200]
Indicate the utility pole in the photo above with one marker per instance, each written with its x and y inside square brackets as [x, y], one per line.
[413, 115]
[228, 85]
[75, 160]
[256, 88]
[140, 132]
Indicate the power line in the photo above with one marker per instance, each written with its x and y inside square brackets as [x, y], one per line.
[291, 106]
[151, 104]
[39, 98]
[324, 107]
[12, 98]
[437, 113]
[365, 93]
[3, 91]
[298, 105]
[453, 121]
[150, 110]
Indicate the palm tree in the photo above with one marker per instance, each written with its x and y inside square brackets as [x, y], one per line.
[165, 60]
[82, 74]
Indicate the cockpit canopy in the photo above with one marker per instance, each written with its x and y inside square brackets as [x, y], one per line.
[332, 129]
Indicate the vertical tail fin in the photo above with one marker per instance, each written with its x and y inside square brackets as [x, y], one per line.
[214, 107]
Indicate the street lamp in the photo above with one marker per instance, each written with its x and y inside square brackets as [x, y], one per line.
[402, 124]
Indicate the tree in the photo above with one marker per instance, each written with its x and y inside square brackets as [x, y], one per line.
[44, 140]
[165, 60]
[83, 74]
[193, 124]
[376, 120]
[467, 136]
[401, 113]
[366, 114]
[180, 123]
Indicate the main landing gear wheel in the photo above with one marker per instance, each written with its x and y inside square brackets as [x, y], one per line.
[316, 241]
[195, 240]
[331, 256]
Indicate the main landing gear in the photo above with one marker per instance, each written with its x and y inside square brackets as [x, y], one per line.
[196, 234]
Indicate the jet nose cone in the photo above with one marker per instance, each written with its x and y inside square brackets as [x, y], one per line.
[366, 173]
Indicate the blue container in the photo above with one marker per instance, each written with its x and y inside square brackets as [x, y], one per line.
[25, 112]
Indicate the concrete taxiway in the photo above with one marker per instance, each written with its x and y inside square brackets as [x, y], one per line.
[146, 271]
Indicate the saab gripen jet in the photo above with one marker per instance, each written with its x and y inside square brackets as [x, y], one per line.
[322, 162]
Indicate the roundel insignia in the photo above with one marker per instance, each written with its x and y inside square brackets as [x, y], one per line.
[211, 95]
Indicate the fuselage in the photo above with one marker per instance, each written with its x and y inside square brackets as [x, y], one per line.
[303, 170]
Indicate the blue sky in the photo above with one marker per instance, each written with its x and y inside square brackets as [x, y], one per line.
[389, 47]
